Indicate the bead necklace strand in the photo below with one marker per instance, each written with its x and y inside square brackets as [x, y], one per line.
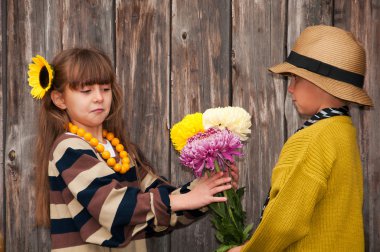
[122, 167]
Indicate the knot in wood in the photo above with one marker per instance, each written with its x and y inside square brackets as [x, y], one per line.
[184, 35]
[12, 155]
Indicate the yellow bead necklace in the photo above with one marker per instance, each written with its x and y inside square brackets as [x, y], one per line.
[122, 167]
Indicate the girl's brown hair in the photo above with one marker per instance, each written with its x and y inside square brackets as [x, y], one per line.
[77, 67]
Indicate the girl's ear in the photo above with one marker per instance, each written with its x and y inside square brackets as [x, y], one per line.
[58, 100]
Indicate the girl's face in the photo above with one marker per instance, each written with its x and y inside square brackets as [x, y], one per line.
[88, 106]
[307, 97]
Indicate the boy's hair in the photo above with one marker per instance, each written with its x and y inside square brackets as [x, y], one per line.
[77, 67]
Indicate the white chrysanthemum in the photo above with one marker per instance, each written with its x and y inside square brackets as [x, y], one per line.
[235, 119]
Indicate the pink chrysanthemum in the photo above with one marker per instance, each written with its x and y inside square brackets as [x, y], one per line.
[203, 149]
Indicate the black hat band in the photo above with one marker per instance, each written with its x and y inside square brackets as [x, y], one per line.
[324, 69]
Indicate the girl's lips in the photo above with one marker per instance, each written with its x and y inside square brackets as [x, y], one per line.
[98, 110]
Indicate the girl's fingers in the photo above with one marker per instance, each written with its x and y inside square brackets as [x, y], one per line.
[220, 181]
[218, 199]
[221, 188]
[203, 178]
[214, 177]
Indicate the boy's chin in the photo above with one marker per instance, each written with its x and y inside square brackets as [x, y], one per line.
[303, 114]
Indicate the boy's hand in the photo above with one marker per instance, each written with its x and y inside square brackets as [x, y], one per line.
[234, 171]
[236, 249]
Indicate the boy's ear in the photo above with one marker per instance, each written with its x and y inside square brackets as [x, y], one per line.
[58, 100]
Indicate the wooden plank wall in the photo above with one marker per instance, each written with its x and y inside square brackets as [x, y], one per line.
[174, 57]
[200, 79]
[366, 26]
[257, 26]
[2, 88]
[142, 62]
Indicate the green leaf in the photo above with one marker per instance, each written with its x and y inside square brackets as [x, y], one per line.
[220, 237]
[224, 248]
[217, 209]
[248, 228]
[228, 220]
[246, 231]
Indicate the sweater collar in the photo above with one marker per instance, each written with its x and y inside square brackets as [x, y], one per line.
[325, 113]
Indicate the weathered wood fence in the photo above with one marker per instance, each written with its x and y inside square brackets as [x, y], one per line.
[175, 57]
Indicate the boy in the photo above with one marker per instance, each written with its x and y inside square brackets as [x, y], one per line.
[316, 196]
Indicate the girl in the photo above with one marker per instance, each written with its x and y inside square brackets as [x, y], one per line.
[103, 192]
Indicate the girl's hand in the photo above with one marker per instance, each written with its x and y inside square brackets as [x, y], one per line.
[202, 194]
[234, 172]
[236, 249]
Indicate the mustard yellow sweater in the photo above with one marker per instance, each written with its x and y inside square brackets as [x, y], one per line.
[317, 193]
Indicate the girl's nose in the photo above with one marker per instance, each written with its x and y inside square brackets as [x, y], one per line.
[98, 95]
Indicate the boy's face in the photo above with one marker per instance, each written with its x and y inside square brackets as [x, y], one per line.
[309, 98]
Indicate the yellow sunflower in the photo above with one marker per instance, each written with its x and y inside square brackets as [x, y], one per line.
[183, 130]
[40, 77]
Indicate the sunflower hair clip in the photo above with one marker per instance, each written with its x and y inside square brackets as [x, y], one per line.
[40, 77]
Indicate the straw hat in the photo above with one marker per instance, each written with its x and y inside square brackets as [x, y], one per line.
[330, 58]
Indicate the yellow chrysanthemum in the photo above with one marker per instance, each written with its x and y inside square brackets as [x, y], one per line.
[236, 119]
[183, 130]
[40, 77]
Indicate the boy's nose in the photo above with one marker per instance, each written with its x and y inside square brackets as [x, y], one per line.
[291, 86]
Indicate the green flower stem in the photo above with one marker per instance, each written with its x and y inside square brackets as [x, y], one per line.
[217, 168]
[215, 205]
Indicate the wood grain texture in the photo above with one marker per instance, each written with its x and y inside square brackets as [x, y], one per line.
[174, 58]
[362, 19]
[25, 30]
[302, 14]
[371, 122]
[51, 37]
[200, 80]
[89, 23]
[345, 14]
[3, 81]
[53, 28]
[142, 59]
[258, 42]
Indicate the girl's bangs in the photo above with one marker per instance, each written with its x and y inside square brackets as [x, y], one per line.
[90, 69]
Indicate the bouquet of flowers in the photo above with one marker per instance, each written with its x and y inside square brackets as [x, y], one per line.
[209, 142]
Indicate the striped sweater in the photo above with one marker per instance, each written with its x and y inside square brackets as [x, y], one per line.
[317, 193]
[92, 208]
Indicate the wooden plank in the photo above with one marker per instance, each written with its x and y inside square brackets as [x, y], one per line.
[344, 16]
[89, 23]
[362, 19]
[352, 16]
[25, 23]
[200, 80]
[52, 42]
[142, 60]
[302, 14]
[3, 80]
[371, 122]
[258, 42]
[53, 28]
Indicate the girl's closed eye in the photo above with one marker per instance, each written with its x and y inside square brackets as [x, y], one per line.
[85, 89]
[106, 87]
